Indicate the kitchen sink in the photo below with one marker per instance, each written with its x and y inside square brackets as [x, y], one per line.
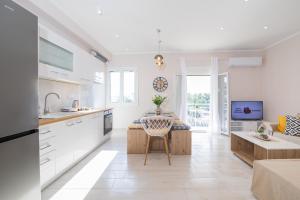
[56, 115]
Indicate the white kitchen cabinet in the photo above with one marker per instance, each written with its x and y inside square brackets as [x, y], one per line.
[46, 132]
[87, 135]
[82, 136]
[47, 153]
[47, 145]
[54, 73]
[83, 66]
[47, 167]
[101, 127]
[97, 134]
[63, 144]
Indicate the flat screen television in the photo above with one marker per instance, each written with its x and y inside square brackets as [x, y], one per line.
[247, 110]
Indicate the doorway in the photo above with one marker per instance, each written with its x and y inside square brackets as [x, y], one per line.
[198, 102]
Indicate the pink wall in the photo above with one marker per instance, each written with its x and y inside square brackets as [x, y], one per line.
[281, 79]
[245, 83]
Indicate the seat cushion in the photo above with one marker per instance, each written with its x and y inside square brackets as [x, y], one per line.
[292, 126]
[181, 127]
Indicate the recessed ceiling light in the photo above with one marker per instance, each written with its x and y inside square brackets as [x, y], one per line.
[266, 27]
[222, 28]
[100, 12]
[117, 35]
[246, 0]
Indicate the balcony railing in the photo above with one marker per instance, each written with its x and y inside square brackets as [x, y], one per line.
[198, 115]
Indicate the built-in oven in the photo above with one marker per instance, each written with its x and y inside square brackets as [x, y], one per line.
[108, 121]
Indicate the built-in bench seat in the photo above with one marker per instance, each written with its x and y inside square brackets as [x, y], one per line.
[180, 139]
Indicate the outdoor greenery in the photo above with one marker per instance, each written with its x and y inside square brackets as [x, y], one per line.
[197, 99]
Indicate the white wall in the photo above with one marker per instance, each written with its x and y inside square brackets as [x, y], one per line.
[146, 72]
[276, 82]
[280, 81]
[68, 92]
[245, 83]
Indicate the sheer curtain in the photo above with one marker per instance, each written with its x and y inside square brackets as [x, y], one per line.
[181, 91]
[214, 116]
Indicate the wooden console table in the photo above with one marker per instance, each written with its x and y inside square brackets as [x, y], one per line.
[248, 148]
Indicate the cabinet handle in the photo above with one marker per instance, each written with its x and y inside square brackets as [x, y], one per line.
[45, 132]
[45, 146]
[42, 162]
[94, 117]
[78, 122]
[54, 72]
[85, 79]
[70, 124]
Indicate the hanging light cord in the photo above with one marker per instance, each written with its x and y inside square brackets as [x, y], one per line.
[159, 40]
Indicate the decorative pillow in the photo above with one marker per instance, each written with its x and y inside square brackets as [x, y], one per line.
[281, 123]
[292, 126]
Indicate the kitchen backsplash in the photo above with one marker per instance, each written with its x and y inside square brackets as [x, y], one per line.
[67, 91]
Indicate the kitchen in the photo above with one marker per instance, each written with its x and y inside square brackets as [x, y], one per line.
[53, 114]
[104, 100]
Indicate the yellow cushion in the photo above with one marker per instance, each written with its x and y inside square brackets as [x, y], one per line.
[281, 123]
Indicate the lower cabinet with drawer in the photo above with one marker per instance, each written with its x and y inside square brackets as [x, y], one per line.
[47, 167]
[65, 143]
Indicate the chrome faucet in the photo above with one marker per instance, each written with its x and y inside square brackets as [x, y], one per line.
[46, 109]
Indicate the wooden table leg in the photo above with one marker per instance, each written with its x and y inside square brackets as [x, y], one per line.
[147, 149]
[167, 148]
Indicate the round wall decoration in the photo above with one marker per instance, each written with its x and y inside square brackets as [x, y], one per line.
[160, 84]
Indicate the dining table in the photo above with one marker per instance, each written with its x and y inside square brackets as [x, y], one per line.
[179, 137]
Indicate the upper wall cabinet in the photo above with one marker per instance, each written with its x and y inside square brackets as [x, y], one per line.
[54, 55]
[61, 60]
[87, 67]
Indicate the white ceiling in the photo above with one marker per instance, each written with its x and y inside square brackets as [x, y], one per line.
[187, 25]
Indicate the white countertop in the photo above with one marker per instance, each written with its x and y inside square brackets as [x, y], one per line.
[274, 144]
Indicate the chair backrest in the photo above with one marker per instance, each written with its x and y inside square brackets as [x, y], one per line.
[157, 125]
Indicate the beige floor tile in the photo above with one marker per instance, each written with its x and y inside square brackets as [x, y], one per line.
[212, 173]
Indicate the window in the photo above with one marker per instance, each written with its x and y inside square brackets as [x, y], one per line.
[123, 86]
[115, 82]
[129, 87]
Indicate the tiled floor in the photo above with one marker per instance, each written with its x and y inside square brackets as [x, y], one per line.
[212, 172]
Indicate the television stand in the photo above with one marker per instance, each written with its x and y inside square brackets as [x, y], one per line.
[248, 148]
[243, 125]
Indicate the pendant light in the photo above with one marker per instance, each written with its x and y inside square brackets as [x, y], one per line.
[158, 58]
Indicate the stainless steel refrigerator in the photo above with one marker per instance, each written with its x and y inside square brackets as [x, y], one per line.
[19, 142]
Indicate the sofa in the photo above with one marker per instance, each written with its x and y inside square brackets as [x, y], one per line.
[280, 135]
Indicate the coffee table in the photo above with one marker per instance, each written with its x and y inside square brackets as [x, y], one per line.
[249, 148]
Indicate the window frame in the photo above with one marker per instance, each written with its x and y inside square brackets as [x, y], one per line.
[122, 70]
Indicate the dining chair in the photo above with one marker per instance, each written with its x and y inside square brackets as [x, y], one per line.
[157, 126]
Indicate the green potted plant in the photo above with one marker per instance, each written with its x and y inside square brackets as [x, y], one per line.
[158, 100]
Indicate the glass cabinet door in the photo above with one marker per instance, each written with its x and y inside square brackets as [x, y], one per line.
[54, 55]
